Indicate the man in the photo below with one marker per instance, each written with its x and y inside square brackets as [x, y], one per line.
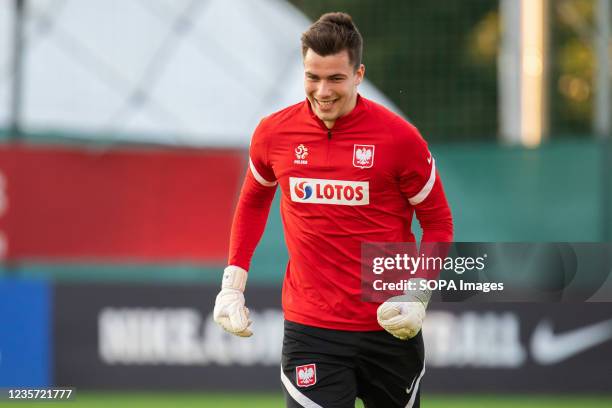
[349, 171]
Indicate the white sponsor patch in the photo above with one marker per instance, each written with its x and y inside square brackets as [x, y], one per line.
[337, 192]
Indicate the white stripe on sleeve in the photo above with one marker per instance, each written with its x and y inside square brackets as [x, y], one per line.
[422, 195]
[258, 176]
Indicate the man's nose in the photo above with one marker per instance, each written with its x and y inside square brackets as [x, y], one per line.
[324, 90]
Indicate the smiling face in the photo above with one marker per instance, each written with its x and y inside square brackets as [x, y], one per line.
[331, 84]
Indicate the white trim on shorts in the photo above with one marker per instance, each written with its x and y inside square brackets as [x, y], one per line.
[296, 394]
[416, 388]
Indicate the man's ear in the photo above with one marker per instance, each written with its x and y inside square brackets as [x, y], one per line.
[360, 74]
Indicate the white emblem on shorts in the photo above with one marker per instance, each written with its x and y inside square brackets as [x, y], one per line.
[306, 375]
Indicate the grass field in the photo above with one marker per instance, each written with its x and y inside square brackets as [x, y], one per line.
[201, 400]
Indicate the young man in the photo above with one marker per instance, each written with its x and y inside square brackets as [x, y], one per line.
[349, 171]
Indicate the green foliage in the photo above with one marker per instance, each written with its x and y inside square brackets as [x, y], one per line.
[572, 62]
[437, 61]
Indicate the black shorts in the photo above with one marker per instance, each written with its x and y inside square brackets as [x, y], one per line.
[331, 368]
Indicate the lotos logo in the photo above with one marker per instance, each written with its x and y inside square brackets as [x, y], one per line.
[336, 192]
[306, 375]
[303, 190]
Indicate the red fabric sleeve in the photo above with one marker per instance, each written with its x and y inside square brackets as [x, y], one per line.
[426, 195]
[421, 185]
[249, 220]
[434, 215]
[436, 221]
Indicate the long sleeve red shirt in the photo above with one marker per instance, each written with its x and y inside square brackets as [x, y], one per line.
[361, 181]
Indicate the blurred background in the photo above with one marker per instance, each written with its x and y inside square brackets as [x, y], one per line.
[124, 128]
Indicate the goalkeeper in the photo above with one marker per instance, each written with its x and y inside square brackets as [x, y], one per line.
[349, 171]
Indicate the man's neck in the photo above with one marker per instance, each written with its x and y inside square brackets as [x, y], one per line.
[330, 123]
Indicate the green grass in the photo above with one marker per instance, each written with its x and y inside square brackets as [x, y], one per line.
[203, 400]
[521, 401]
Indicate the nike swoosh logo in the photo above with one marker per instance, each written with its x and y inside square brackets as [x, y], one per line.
[409, 390]
[429, 160]
[549, 348]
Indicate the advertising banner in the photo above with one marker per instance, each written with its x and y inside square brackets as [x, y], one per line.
[163, 337]
[113, 205]
[25, 340]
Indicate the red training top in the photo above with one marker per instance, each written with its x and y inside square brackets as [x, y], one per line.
[359, 182]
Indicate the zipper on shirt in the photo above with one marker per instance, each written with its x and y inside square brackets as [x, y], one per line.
[329, 137]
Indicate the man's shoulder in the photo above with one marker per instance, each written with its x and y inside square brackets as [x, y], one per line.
[394, 123]
[266, 130]
[279, 117]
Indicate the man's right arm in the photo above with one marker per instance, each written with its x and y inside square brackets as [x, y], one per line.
[247, 228]
[250, 218]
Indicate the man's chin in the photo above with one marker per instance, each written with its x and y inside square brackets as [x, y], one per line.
[325, 116]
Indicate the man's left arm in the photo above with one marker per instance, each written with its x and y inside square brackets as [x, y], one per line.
[402, 316]
[434, 215]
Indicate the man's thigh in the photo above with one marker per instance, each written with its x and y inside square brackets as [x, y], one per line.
[318, 367]
[389, 370]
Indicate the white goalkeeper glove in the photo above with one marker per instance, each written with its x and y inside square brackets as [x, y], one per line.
[230, 311]
[403, 316]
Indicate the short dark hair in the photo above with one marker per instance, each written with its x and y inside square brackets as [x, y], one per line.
[333, 33]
